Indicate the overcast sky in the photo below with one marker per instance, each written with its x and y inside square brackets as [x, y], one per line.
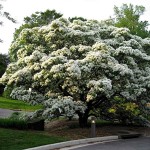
[91, 9]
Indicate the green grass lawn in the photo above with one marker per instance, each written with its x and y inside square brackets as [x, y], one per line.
[18, 140]
[17, 105]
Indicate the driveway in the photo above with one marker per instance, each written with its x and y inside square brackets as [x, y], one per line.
[142, 143]
[5, 113]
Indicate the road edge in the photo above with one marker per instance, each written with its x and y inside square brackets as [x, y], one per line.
[73, 143]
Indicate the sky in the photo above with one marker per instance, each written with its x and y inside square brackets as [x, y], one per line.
[90, 9]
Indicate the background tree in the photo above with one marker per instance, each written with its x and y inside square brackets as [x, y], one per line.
[129, 16]
[37, 19]
[6, 15]
[4, 60]
[77, 67]
[76, 18]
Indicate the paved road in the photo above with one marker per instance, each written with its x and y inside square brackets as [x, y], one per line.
[4, 113]
[128, 144]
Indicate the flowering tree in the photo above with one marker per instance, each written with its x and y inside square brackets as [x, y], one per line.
[76, 67]
[37, 19]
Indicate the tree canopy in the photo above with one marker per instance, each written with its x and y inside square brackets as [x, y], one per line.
[75, 67]
[129, 16]
[37, 19]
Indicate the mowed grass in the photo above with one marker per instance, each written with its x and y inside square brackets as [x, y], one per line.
[18, 140]
[17, 105]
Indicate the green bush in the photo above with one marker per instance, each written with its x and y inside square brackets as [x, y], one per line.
[13, 123]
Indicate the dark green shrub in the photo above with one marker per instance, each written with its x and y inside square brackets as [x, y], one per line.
[36, 124]
[1, 89]
[13, 123]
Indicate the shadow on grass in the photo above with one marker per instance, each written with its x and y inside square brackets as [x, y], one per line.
[18, 140]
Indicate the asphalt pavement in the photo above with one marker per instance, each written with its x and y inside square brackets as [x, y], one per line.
[142, 143]
[5, 113]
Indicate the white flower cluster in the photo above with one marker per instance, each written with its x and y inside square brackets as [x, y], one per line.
[62, 106]
[122, 69]
[129, 51]
[97, 87]
[73, 69]
[21, 93]
[120, 32]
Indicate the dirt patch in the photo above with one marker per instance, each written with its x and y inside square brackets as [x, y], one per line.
[72, 131]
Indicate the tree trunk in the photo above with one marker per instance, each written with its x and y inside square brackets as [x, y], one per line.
[83, 119]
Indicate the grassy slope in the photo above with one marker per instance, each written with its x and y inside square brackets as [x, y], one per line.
[18, 140]
[17, 105]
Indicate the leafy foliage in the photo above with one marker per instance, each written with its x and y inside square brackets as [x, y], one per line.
[4, 60]
[129, 16]
[76, 18]
[121, 110]
[13, 123]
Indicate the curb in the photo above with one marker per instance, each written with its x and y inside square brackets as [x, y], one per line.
[130, 136]
[73, 143]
